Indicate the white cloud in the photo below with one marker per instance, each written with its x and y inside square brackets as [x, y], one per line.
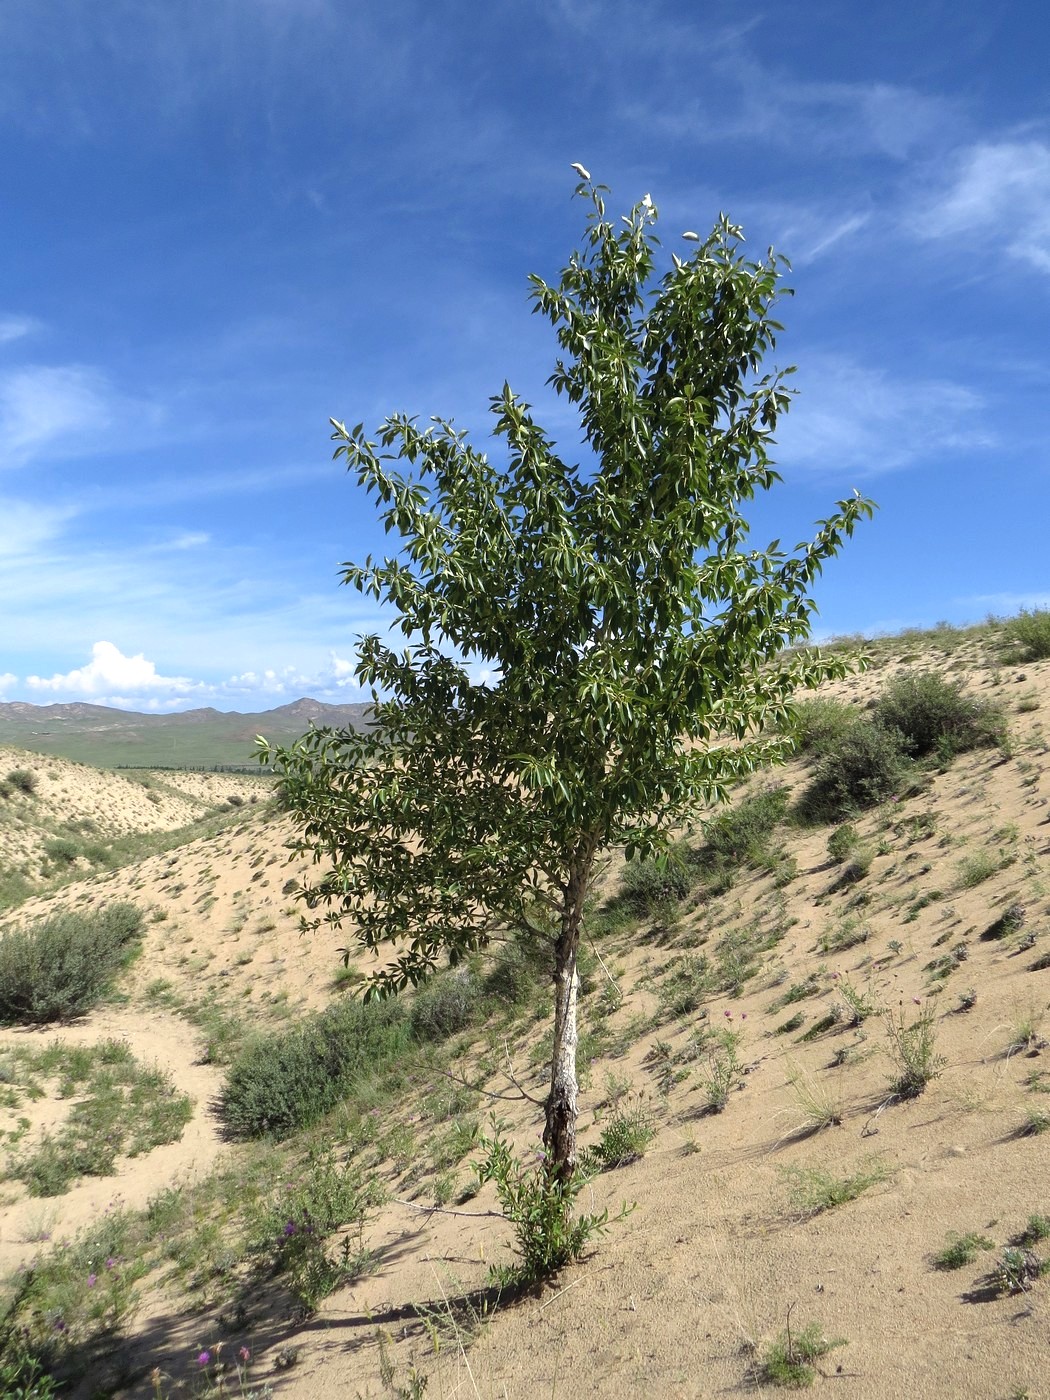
[851, 417]
[25, 527]
[1000, 191]
[190, 539]
[1005, 604]
[7, 680]
[109, 669]
[64, 410]
[15, 327]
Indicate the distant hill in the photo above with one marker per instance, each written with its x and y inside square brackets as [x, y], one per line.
[203, 738]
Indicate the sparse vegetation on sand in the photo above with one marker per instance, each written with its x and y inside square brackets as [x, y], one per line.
[363, 1177]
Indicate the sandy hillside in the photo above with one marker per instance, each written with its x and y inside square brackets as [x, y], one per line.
[743, 1222]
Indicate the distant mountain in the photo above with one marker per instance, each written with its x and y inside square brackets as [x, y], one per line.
[202, 738]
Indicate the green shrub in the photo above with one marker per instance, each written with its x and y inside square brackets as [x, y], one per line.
[625, 1137]
[22, 779]
[288, 1079]
[445, 1005]
[62, 850]
[936, 715]
[864, 767]
[539, 1204]
[1028, 634]
[821, 725]
[961, 1250]
[788, 1361]
[291, 1233]
[520, 966]
[842, 842]
[62, 966]
[654, 886]
[740, 835]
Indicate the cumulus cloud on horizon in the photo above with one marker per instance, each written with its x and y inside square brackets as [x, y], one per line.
[110, 670]
[134, 683]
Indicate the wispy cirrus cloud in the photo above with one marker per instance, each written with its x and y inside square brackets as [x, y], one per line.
[27, 526]
[997, 191]
[66, 411]
[851, 416]
[15, 327]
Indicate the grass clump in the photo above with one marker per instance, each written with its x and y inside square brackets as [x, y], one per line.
[288, 1079]
[1028, 634]
[960, 1250]
[741, 835]
[291, 1234]
[61, 967]
[814, 1191]
[789, 1360]
[935, 715]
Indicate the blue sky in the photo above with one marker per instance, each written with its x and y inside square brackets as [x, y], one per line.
[226, 220]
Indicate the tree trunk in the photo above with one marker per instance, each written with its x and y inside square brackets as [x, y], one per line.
[559, 1133]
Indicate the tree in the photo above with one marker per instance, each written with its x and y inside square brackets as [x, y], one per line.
[637, 652]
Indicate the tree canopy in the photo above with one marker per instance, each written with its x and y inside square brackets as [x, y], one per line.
[639, 655]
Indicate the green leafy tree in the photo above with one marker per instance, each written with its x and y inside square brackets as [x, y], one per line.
[636, 648]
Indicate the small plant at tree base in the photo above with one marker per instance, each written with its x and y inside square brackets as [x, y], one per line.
[23, 1378]
[913, 1051]
[789, 1360]
[539, 1202]
[961, 1250]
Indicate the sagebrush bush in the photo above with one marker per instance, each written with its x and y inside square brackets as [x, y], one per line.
[936, 715]
[519, 968]
[445, 1005]
[822, 724]
[741, 834]
[23, 779]
[654, 886]
[1028, 634]
[286, 1080]
[863, 767]
[62, 966]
